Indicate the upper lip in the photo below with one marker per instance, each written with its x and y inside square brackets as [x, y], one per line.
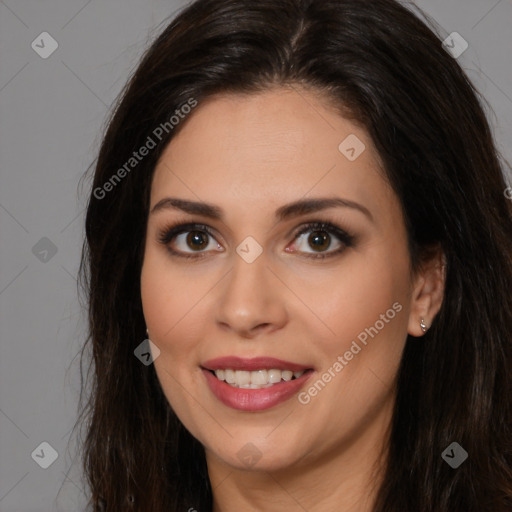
[256, 363]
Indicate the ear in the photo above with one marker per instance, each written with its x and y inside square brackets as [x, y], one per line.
[427, 292]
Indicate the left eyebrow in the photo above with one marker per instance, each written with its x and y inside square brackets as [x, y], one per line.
[295, 209]
[304, 206]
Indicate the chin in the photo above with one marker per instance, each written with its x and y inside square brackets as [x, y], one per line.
[260, 454]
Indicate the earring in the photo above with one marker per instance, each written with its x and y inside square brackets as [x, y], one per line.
[423, 325]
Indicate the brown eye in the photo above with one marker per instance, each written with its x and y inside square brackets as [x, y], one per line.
[189, 240]
[321, 237]
[319, 240]
[197, 240]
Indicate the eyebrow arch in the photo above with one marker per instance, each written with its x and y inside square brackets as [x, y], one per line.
[295, 209]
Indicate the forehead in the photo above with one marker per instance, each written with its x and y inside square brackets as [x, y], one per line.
[273, 146]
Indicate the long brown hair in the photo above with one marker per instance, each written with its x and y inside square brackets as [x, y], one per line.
[381, 65]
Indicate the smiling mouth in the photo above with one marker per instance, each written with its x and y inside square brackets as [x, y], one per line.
[258, 379]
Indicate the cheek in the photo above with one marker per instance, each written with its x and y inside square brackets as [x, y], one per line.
[366, 312]
[170, 296]
[352, 299]
[169, 312]
[158, 296]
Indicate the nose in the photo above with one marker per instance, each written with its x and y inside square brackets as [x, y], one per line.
[252, 300]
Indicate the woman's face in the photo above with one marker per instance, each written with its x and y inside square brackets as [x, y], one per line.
[253, 301]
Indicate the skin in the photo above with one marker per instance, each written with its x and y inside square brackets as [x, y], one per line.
[249, 155]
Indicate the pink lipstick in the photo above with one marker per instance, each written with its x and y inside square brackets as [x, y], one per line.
[254, 384]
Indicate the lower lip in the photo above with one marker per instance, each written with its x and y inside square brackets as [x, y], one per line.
[254, 399]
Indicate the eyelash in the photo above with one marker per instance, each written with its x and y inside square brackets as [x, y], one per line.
[167, 234]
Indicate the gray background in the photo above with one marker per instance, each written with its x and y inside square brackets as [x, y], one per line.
[51, 115]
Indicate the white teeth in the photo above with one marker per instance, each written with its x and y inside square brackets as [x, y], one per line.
[287, 375]
[242, 378]
[274, 376]
[259, 377]
[256, 379]
[229, 376]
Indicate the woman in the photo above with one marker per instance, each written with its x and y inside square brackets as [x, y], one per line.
[301, 205]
